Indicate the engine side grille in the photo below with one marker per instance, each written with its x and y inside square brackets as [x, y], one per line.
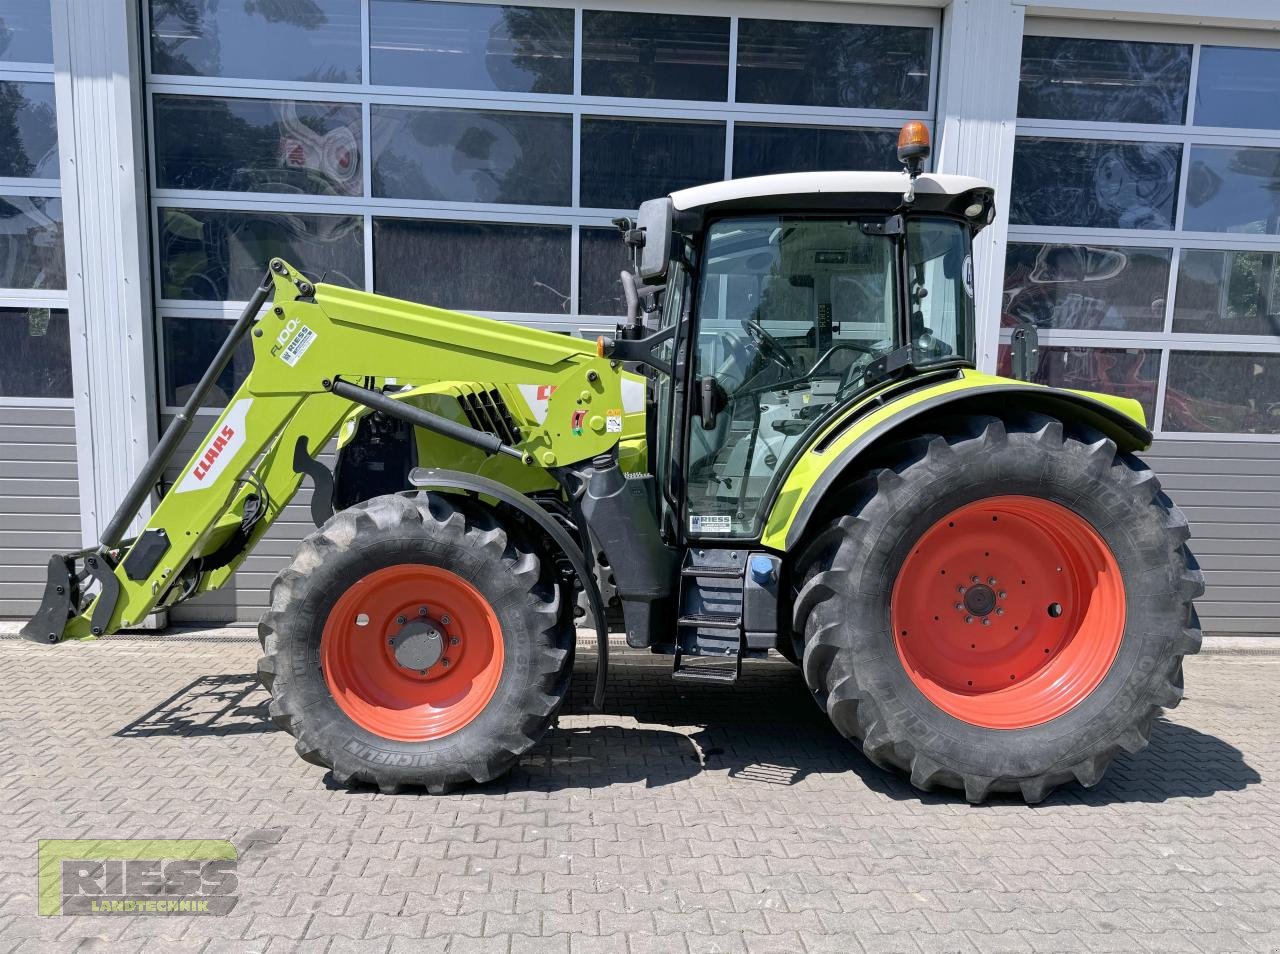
[487, 411]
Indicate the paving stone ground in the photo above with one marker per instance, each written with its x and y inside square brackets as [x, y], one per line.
[685, 818]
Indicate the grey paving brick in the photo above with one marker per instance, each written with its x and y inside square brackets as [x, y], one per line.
[685, 818]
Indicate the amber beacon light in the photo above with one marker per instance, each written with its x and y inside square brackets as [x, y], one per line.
[913, 150]
[913, 145]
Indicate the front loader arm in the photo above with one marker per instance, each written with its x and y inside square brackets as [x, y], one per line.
[317, 352]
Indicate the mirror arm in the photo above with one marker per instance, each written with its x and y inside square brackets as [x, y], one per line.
[639, 350]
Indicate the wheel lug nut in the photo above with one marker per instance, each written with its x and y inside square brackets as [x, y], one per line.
[445, 663]
[991, 581]
[1004, 595]
[959, 606]
[999, 610]
[960, 588]
[401, 620]
[422, 611]
[974, 579]
[985, 621]
[968, 619]
[453, 640]
[444, 620]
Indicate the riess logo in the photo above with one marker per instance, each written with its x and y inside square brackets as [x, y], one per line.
[220, 450]
[138, 877]
[201, 470]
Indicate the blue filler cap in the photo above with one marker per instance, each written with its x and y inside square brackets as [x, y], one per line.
[761, 569]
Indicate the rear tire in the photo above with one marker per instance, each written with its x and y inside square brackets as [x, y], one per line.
[479, 692]
[893, 661]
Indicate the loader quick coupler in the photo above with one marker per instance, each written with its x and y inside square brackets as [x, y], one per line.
[61, 597]
[55, 605]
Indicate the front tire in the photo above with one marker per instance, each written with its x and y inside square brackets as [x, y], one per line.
[413, 641]
[1005, 608]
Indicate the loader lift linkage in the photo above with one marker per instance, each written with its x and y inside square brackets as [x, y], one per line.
[786, 446]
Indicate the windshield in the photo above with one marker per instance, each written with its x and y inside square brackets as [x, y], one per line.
[821, 290]
[793, 313]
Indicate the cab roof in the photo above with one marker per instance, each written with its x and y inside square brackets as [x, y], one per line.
[804, 187]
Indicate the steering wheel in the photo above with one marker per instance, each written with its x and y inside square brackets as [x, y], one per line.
[769, 347]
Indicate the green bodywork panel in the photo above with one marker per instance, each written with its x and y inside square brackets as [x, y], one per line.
[300, 344]
[807, 471]
[447, 398]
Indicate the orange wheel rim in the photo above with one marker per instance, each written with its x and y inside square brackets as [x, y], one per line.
[1008, 612]
[412, 652]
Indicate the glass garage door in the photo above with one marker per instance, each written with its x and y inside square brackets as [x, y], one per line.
[1144, 235]
[1144, 242]
[473, 155]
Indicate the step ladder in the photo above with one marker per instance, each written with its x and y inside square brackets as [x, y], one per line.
[709, 626]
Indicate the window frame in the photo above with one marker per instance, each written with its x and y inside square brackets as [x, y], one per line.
[53, 299]
[1185, 136]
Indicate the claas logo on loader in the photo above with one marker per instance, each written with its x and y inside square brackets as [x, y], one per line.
[213, 452]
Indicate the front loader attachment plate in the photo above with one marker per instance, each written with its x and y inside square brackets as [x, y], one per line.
[62, 601]
[55, 606]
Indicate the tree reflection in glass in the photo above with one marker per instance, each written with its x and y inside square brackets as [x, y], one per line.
[316, 41]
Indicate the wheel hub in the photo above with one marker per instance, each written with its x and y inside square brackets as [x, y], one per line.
[979, 599]
[419, 645]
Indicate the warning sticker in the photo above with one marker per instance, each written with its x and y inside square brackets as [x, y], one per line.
[613, 420]
[296, 348]
[710, 523]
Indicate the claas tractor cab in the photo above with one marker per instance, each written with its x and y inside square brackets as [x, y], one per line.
[786, 446]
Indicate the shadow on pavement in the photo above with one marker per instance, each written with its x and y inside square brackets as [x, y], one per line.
[764, 731]
[231, 704]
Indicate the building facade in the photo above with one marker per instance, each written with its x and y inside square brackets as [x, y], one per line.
[155, 153]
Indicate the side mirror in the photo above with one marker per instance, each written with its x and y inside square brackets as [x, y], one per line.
[1025, 345]
[655, 222]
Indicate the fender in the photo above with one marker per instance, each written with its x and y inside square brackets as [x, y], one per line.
[835, 452]
[436, 479]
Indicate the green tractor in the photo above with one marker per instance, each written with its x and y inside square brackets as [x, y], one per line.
[786, 446]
